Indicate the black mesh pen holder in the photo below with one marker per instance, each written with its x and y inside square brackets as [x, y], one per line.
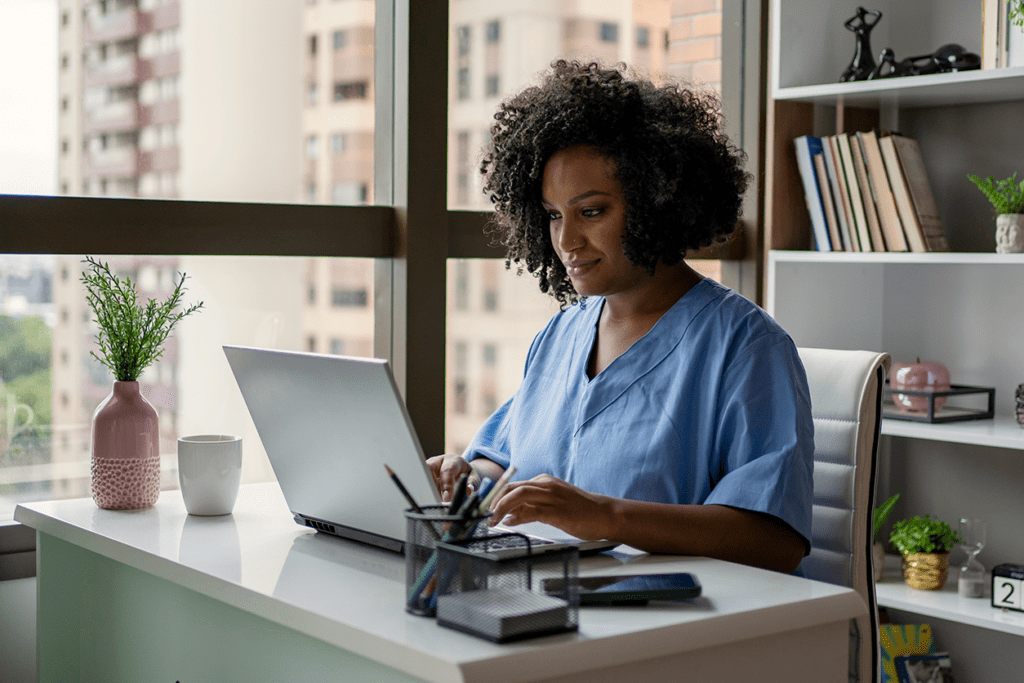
[423, 532]
[499, 588]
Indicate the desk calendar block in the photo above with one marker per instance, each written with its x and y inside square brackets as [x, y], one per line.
[1007, 584]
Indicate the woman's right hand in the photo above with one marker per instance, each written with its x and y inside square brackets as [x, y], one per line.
[447, 469]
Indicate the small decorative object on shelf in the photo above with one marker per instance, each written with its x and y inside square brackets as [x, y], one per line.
[125, 427]
[1007, 198]
[925, 544]
[862, 64]
[949, 58]
[972, 578]
[878, 548]
[917, 376]
[1007, 583]
[1020, 404]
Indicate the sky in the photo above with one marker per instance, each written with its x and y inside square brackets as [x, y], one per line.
[28, 96]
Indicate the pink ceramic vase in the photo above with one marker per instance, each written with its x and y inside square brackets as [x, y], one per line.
[125, 450]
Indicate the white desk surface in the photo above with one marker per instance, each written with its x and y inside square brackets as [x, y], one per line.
[352, 596]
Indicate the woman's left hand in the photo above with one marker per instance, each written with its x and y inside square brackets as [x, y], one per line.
[547, 499]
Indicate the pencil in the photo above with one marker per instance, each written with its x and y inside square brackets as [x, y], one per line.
[401, 487]
[499, 486]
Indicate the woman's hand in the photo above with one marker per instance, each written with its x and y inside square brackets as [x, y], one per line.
[447, 469]
[547, 499]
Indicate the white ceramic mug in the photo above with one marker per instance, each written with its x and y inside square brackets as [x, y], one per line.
[209, 470]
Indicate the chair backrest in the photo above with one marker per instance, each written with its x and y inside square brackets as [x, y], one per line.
[846, 398]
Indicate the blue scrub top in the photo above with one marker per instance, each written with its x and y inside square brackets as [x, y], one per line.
[710, 406]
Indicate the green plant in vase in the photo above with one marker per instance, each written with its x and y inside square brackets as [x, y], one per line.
[925, 544]
[1007, 199]
[125, 427]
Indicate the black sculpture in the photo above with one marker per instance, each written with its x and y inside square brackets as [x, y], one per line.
[863, 64]
[946, 59]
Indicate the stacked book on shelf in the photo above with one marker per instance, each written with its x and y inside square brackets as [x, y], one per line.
[868, 192]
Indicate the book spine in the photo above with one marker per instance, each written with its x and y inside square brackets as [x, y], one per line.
[835, 172]
[806, 146]
[870, 207]
[887, 213]
[901, 193]
[830, 206]
[925, 209]
[854, 192]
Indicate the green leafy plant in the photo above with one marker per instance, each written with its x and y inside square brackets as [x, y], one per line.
[923, 535]
[1017, 13]
[131, 335]
[1007, 196]
[883, 511]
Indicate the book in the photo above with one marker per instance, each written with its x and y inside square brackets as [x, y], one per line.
[913, 220]
[806, 147]
[834, 167]
[888, 215]
[990, 34]
[915, 176]
[870, 206]
[902, 639]
[828, 202]
[854, 193]
[935, 667]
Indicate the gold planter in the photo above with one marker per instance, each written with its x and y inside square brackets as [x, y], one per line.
[926, 571]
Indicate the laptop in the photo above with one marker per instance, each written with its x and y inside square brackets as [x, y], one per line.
[329, 424]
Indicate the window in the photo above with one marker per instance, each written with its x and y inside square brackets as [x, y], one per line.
[355, 90]
[492, 34]
[338, 347]
[643, 37]
[492, 86]
[337, 143]
[311, 147]
[339, 39]
[312, 45]
[462, 40]
[609, 32]
[490, 355]
[463, 92]
[348, 297]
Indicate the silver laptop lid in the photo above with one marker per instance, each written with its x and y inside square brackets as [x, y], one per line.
[329, 424]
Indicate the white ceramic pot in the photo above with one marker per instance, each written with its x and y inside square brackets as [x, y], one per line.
[1010, 233]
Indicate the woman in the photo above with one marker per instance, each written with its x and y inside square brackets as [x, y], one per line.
[658, 408]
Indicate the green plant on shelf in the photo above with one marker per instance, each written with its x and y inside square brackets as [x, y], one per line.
[923, 535]
[131, 335]
[1017, 13]
[1007, 196]
[882, 511]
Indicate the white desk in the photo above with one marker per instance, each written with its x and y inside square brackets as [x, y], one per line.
[158, 595]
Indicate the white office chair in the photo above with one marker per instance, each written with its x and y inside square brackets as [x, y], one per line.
[846, 404]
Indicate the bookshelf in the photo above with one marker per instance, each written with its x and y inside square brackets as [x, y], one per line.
[963, 308]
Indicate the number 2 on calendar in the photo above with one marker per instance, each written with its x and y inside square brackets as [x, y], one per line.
[1007, 592]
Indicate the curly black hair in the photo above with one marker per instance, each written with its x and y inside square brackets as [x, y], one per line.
[682, 179]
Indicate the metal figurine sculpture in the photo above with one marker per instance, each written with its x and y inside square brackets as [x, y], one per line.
[863, 63]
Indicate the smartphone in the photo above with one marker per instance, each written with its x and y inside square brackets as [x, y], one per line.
[630, 589]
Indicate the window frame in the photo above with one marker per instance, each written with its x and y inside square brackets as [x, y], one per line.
[410, 233]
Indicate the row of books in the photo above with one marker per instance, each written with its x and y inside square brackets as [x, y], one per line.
[869, 192]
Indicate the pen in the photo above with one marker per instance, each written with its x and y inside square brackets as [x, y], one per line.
[459, 494]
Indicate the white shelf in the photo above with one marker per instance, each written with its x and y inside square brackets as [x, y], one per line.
[896, 258]
[967, 87]
[893, 592]
[1000, 432]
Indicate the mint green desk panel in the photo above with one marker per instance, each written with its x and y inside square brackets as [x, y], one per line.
[103, 621]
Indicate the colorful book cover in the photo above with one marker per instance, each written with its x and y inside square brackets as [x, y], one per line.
[902, 639]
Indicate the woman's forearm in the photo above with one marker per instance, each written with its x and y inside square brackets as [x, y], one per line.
[717, 531]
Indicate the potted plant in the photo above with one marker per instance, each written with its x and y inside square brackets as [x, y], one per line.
[125, 427]
[925, 544]
[878, 548]
[1007, 198]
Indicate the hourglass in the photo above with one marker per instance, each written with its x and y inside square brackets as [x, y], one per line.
[971, 583]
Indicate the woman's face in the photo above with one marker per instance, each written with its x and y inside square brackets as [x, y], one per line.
[587, 214]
